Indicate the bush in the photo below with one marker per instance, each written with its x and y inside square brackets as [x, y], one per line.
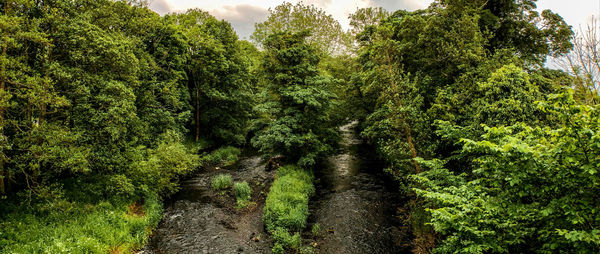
[287, 240]
[222, 182]
[164, 166]
[286, 208]
[242, 193]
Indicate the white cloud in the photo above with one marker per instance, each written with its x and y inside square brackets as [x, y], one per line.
[242, 17]
[244, 13]
[160, 6]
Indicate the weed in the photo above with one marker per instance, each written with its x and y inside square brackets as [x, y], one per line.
[242, 193]
[221, 182]
[316, 229]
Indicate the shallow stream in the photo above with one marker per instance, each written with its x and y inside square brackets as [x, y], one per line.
[356, 203]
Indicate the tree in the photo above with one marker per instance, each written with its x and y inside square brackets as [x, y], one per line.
[516, 25]
[27, 94]
[299, 127]
[533, 189]
[364, 18]
[217, 76]
[326, 32]
[583, 62]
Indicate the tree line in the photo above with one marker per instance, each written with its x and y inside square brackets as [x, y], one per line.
[497, 151]
[104, 100]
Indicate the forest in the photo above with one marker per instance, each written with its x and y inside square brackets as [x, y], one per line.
[107, 109]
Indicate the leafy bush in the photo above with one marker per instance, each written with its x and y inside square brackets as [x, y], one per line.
[161, 170]
[242, 193]
[288, 241]
[286, 208]
[222, 182]
[533, 190]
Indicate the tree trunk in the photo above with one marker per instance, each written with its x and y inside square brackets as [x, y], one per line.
[407, 131]
[2, 85]
[197, 113]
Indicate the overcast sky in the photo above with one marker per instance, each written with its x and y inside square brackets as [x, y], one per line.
[242, 14]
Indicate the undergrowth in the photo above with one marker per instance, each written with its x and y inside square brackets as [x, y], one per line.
[80, 228]
[225, 155]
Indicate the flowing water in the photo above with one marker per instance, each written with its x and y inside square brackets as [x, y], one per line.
[200, 220]
[356, 204]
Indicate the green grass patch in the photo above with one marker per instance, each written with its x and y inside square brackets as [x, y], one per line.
[286, 208]
[227, 155]
[242, 193]
[316, 229]
[221, 182]
[100, 228]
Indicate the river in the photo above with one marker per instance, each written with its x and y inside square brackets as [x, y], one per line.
[356, 204]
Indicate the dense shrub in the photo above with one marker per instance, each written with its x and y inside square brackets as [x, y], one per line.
[286, 208]
[533, 190]
[161, 170]
[222, 182]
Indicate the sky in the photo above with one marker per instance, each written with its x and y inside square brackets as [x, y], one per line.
[242, 14]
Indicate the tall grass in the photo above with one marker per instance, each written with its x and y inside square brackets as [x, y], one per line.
[224, 155]
[286, 208]
[222, 182]
[242, 193]
[100, 228]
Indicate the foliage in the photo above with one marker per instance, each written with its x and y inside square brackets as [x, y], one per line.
[326, 33]
[286, 208]
[316, 229]
[96, 99]
[217, 77]
[77, 228]
[432, 80]
[532, 190]
[221, 182]
[299, 126]
[161, 171]
[242, 193]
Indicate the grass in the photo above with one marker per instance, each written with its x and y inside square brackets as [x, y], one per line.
[242, 193]
[82, 228]
[225, 155]
[286, 208]
[316, 229]
[222, 182]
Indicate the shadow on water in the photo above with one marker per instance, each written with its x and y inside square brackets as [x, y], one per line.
[356, 203]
